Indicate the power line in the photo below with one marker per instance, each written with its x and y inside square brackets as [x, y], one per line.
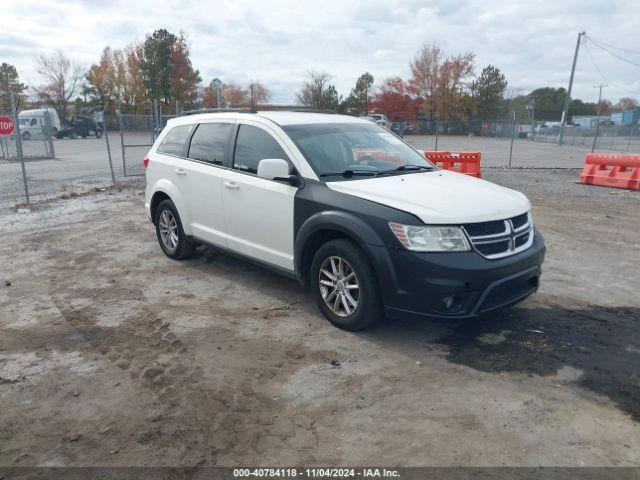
[593, 61]
[634, 52]
[613, 54]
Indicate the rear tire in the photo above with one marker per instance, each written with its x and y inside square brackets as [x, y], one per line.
[345, 286]
[173, 241]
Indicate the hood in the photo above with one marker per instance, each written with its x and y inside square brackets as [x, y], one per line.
[439, 197]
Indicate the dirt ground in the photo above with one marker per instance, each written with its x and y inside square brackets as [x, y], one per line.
[113, 355]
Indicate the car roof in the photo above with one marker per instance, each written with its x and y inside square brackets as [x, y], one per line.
[281, 117]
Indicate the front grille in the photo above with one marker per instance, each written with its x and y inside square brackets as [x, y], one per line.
[521, 240]
[520, 221]
[501, 238]
[492, 248]
[485, 228]
[509, 292]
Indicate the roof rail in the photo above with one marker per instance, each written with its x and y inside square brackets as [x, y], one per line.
[218, 110]
[263, 108]
[294, 108]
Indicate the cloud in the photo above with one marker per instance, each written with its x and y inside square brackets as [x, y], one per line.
[277, 42]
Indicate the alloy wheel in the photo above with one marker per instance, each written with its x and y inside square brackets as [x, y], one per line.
[168, 227]
[339, 286]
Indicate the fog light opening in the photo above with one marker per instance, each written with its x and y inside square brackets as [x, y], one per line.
[452, 304]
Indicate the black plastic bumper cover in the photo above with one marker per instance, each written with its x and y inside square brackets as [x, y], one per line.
[419, 284]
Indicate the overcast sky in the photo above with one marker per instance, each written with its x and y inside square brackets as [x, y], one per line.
[277, 42]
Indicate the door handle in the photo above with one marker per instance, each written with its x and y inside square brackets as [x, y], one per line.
[232, 185]
[180, 171]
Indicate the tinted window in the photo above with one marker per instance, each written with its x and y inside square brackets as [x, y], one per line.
[173, 142]
[252, 145]
[209, 141]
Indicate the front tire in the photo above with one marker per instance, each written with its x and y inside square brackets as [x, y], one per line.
[345, 286]
[173, 241]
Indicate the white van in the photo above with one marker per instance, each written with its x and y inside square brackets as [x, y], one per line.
[32, 122]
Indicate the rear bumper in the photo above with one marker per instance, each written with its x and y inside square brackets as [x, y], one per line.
[455, 285]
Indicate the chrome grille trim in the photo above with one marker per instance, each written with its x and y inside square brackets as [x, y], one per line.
[510, 236]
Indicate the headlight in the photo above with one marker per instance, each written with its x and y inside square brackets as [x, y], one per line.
[430, 239]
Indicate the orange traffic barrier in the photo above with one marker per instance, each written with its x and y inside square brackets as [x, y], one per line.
[612, 170]
[461, 162]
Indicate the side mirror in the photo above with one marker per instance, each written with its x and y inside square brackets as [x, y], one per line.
[276, 169]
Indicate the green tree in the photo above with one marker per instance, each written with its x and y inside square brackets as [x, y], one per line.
[358, 100]
[156, 65]
[488, 91]
[318, 93]
[549, 102]
[9, 82]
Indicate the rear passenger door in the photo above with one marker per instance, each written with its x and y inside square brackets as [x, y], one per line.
[258, 212]
[201, 175]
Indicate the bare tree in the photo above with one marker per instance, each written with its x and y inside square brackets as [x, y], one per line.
[62, 77]
[317, 92]
[425, 74]
[259, 94]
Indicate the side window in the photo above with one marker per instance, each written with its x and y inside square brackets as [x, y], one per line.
[33, 122]
[173, 142]
[209, 141]
[254, 144]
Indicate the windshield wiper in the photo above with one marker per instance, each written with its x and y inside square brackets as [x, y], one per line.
[408, 168]
[350, 173]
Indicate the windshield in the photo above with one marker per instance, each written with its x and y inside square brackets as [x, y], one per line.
[23, 121]
[352, 150]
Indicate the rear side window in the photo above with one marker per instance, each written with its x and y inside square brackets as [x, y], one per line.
[173, 142]
[209, 142]
[254, 144]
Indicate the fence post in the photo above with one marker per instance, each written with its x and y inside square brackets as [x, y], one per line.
[513, 133]
[436, 127]
[155, 120]
[613, 137]
[106, 139]
[595, 138]
[49, 133]
[18, 140]
[124, 163]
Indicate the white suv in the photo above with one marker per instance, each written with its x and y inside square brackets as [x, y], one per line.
[347, 208]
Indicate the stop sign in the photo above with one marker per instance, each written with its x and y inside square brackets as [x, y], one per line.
[6, 125]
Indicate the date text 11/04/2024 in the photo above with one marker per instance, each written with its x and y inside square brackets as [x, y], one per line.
[315, 473]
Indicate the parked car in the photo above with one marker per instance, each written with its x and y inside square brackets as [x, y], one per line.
[347, 208]
[402, 128]
[80, 126]
[33, 122]
[378, 118]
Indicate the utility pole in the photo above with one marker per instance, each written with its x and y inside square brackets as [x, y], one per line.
[595, 138]
[565, 112]
[216, 84]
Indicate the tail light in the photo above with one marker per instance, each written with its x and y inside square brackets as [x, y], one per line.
[145, 162]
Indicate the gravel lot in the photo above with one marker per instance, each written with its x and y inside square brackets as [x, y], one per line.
[111, 354]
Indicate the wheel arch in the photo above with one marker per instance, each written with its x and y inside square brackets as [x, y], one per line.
[325, 226]
[164, 190]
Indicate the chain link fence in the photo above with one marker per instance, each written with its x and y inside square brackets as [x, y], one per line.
[137, 132]
[602, 137]
[52, 167]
